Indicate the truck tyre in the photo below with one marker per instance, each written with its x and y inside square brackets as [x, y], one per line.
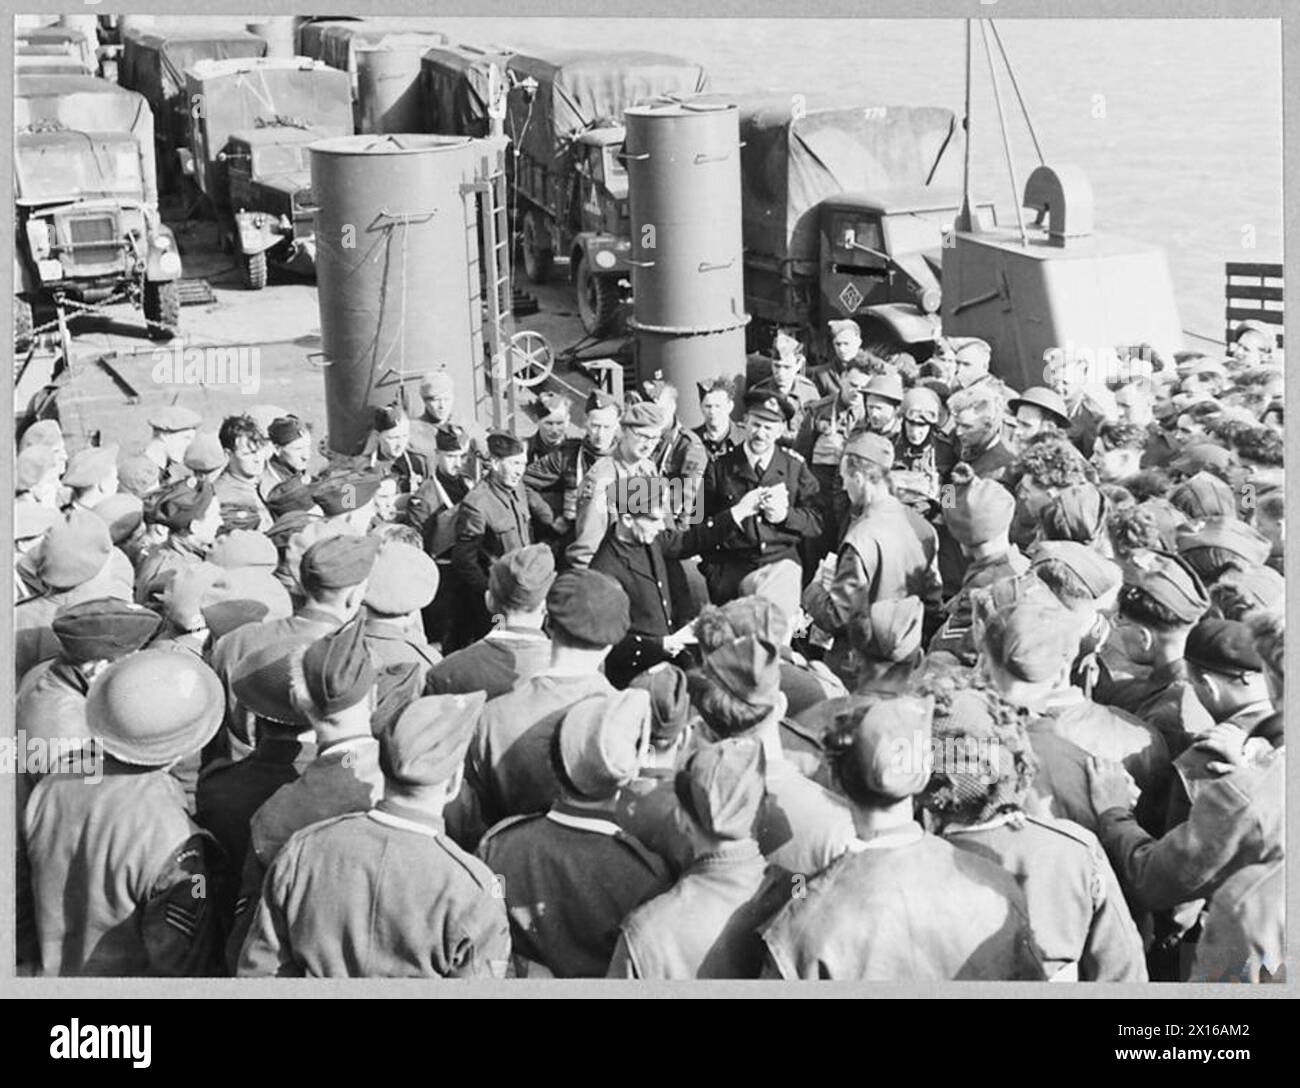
[597, 299]
[23, 324]
[538, 255]
[254, 268]
[162, 309]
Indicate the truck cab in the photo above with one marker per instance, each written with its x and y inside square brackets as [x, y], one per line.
[601, 188]
[85, 229]
[268, 171]
[880, 261]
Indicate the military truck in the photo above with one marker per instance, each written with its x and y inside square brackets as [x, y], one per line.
[153, 63]
[564, 114]
[87, 225]
[56, 50]
[459, 85]
[248, 153]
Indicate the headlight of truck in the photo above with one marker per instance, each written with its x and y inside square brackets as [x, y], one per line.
[170, 263]
[38, 237]
[931, 298]
[605, 259]
[162, 242]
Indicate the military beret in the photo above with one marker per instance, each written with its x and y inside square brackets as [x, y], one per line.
[257, 584]
[504, 445]
[886, 387]
[436, 382]
[721, 787]
[1250, 590]
[33, 465]
[103, 629]
[1045, 400]
[31, 520]
[44, 432]
[1169, 581]
[892, 629]
[752, 615]
[75, 550]
[337, 670]
[922, 404]
[286, 429]
[451, 438]
[404, 580]
[875, 448]
[590, 608]
[598, 399]
[138, 474]
[174, 417]
[644, 415]
[1031, 641]
[337, 562]
[91, 466]
[222, 617]
[243, 548]
[601, 740]
[670, 701]
[180, 505]
[1230, 535]
[1097, 573]
[888, 752]
[843, 324]
[748, 669]
[1200, 456]
[1205, 495]
[520, 580]
[262, 683]
[979, 512]
[1223, 646]
[291, 494]
[389, 417]
[286, 525]
[549, 406]
[765, 404]
[345, 492]
[1077, 512]
[204, 453]
[425, 745]
[122, 512]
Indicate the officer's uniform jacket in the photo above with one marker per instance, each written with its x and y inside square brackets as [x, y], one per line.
[404, 902]
[123, 879]
[410, 470]
[557, 476]
[570, 878]
[756, 542]
[233, 490]
[902, 907]
[492, 521]
[956, 635]
[432, 509]
[494, 664]
[803, 395]
[1158, 699]
[992, 462]
[1243, 934]
[681, 455]
[1080, 921]
[732, 437]
[392, 643]
[595, 503]
[343, 778]
[535, 449]
[508, 764]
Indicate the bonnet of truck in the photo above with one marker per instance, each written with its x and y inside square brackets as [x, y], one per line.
[85, 237]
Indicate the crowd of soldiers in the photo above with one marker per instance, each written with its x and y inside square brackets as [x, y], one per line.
[886, 671]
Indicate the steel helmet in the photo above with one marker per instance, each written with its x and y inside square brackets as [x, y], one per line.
[922, 404]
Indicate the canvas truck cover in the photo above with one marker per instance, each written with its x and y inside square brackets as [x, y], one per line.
[797, 151]
[87, 104]
[582, 89]
[454, 88]
[246, 94]
[336, 41]
[154, 59]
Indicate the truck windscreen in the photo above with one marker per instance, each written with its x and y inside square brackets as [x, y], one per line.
[284, 159]
[72, 170]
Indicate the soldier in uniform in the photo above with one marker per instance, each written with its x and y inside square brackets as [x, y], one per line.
[777, 493]
[846, 348]
[291, 450]
[438, 395]
[877, 914]
[392, 454]
[558, 476]
[1038, 411]
[719, 433]
[174, 428]
[241, 484]
[192, 518]
[406, 902]
[571, 874]
[706, 925]
[552, 412]
[508, 769]
[680, 455]
[882, 397]
[204, 459]
[516, 648]
[826, 427]
[403, 582]
[432, 510]
[115, 860]
[977, 414]
[920, 445]
[496, 517]
[976, 800]
[972, 358]
[787, 380]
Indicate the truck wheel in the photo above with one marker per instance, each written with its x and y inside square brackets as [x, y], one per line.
[538, 255]
[162, 309]
[254, 268]
[597, 300]
[23, 324]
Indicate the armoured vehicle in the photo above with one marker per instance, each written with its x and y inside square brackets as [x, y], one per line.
[248, 153]
[564, 114]
[153, 63]
[87, 224]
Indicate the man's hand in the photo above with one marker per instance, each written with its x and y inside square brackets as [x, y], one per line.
[1226, 741]
[1110, 786]
[776, 504]
[748, 506]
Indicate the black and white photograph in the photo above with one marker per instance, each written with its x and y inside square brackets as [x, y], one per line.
[649, 497]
